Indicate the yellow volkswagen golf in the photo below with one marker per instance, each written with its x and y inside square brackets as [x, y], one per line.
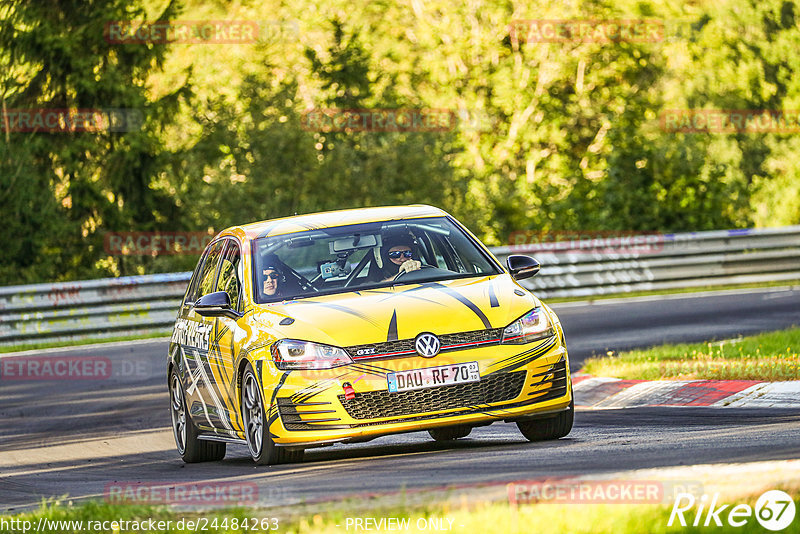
[344, 326]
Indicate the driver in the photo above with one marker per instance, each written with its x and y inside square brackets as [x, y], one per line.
[273, 277]
[397, 255]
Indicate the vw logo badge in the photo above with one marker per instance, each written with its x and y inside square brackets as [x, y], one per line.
[427, 345]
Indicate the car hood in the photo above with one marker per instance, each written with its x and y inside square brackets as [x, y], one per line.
[402, 312]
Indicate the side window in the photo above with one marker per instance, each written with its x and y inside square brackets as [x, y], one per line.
[191, 291]
[229, 279]
[209, 269]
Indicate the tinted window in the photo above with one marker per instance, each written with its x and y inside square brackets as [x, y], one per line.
[361, 256]
[191, 291]
[206, 284]
[229, 279]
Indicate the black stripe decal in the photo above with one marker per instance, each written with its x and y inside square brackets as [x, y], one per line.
[317, 387]
[463, 300]
[492, 296]
[338, 307]
[392, 335]
[527, 357]
[280, 383]
[406, 295]
[543, 342]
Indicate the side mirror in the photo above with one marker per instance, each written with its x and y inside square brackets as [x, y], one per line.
[521, 266]
[217, 304]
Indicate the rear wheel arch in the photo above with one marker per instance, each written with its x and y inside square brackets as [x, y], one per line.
[172, 362]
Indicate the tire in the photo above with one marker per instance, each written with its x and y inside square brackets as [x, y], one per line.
[550, 428]
[263, 450]
[449, 433]
[191, 449]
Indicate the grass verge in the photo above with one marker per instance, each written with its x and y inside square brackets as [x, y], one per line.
[78, 342]
[774, 356]
[484, 517]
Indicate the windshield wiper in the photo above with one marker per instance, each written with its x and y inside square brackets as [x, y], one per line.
[454, 276]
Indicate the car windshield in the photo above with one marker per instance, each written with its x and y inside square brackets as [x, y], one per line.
[357, 257]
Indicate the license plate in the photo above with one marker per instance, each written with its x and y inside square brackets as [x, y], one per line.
[444, 375]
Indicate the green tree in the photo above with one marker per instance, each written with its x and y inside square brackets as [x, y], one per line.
[87, 182]
[263, 162]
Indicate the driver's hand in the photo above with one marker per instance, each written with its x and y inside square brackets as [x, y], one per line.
[410, 265]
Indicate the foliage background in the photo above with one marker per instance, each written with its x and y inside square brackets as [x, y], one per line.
[560, 136]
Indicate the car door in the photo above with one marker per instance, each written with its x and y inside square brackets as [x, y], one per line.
[195, 344]
[223, 348]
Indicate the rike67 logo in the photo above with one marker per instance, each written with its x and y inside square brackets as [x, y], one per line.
[774, 510]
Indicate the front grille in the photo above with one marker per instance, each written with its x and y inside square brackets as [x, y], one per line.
[476, 336]
[493, 388]
[374, 350]
[457, 341]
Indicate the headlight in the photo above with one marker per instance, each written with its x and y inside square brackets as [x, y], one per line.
[532, 326]
[292, 354]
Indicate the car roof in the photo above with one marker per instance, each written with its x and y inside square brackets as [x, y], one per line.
[329, 219]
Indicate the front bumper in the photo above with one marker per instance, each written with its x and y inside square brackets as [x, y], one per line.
[309, 408]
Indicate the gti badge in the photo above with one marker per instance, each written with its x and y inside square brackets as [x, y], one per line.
[427, 345]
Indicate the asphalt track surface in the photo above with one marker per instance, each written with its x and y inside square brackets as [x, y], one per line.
[77, 438]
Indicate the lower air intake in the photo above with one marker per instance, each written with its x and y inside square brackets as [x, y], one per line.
[500, 387]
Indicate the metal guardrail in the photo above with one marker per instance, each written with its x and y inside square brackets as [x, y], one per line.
[92, 308]
[607, 265]
[662, 261]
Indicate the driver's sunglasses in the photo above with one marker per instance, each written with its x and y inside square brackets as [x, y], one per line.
[274, 276]
[395, 254]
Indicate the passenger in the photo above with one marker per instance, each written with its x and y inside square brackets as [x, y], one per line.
[397, 254]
